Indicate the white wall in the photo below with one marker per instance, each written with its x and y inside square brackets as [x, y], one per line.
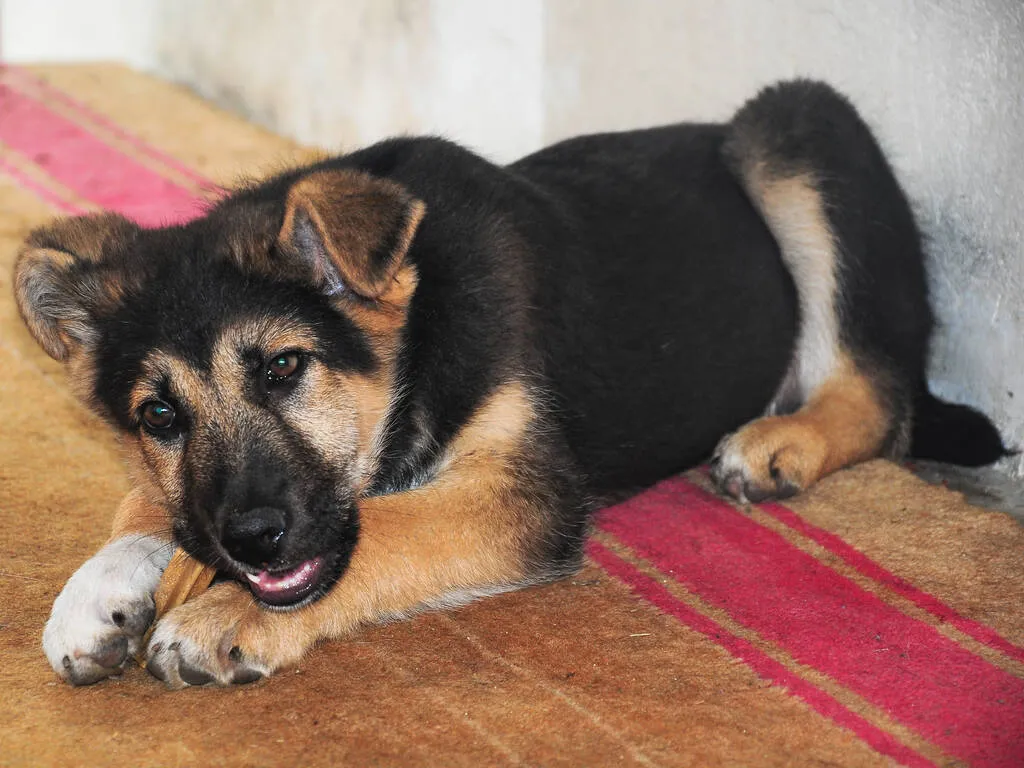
[78, 30]
[942, 81]
[349, 73]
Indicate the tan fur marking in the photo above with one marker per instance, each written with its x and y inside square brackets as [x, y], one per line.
[81, 377]
[460, 534]
[843, 423]
[368, 400]
[144, 477]
[271, 335]
[385, 317]
[325, 410]
[165, 462]
[353, 214]
[138, 514]
[373, 394]
[186, 382]
[792, 207]
[84, 236]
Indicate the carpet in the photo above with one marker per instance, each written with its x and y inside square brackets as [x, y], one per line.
[875, 620]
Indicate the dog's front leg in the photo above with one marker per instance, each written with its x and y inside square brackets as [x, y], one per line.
[99, 618]
[475, 530]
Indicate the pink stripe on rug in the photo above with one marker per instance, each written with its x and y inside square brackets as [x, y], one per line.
[957, 700]
[761, 663]
[868, 567]
[88, 167]
[864, 565]
[21, 78]
[48, 195]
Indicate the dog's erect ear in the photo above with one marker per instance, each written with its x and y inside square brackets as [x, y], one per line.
[352, 231]
[58, 285]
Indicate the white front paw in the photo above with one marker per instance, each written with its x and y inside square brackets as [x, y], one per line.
[100, 616]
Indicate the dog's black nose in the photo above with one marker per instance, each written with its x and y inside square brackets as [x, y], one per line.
[254, 537]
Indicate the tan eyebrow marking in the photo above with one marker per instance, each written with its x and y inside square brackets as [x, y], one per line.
[185, 380]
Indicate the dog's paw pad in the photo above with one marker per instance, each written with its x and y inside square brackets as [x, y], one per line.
[763, 461]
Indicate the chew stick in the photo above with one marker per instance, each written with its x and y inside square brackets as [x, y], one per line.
[184, 578]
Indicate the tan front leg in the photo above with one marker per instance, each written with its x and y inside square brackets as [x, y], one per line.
[440, 545]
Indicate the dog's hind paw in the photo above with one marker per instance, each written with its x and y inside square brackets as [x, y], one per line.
[770, 458]
[100, 616]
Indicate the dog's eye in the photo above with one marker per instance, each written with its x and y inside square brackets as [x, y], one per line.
[157, 415]
[283, 366]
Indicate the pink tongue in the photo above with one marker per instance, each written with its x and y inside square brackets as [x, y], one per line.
[286, 587]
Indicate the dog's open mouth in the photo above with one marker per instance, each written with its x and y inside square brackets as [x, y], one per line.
[290, 587]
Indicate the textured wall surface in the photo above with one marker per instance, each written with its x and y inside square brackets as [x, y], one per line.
[78, 30]
[942, 82]
[348, 73]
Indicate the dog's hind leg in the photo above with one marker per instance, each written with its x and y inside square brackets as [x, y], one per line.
[847, 235]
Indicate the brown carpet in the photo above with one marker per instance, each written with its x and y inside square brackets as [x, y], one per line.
[874, 620]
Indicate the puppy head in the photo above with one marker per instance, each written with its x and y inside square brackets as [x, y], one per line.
[247, 359]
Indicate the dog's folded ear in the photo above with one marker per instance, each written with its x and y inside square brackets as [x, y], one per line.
[352, 232]
[58, 284]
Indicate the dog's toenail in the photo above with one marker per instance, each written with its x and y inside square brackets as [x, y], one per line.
[156, 648]
[235, 654]
[246, 676]
[87, 676]
[156, 670]
[112, 653]
[755, 495]
[66, 661]
[193, 675]
[174, 646]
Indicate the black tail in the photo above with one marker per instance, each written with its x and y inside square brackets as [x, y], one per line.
[956, 434]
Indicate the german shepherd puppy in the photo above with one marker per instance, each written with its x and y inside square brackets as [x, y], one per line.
[403, 378]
